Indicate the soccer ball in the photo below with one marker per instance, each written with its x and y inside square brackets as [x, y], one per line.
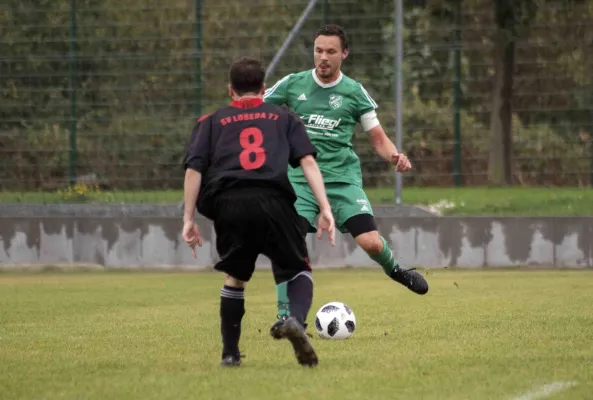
[335, 320]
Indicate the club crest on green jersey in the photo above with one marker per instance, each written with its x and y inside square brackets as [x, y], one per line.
[335, 101]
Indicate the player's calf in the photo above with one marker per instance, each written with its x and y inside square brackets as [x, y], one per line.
[295, 297]
[232, 309]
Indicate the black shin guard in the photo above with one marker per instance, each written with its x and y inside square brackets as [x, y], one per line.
[232, 309]
[300, 296]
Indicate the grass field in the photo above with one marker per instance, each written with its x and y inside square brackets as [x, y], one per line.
[124, 335]
[449, 201]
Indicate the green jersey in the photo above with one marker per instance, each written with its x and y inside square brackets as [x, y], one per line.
[330, 112]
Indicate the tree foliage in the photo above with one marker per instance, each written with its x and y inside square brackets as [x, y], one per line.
[141, 78]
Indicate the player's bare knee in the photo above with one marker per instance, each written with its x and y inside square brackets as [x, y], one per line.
[370, 242]
[233, 282]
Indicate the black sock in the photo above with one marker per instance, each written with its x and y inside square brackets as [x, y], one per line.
[232, 309]
[300, 296]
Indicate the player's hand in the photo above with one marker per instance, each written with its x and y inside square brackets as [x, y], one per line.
[325, 222]
[192, 236]
[401, 162]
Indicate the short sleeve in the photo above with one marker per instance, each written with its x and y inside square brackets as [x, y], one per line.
[364, 102]
[198, 149]
[278, 94]
[298, 140]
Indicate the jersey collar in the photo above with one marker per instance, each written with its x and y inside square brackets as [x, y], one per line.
[247, 103]
[326, 85]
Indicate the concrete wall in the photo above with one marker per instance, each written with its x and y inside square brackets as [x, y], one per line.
[136, 238]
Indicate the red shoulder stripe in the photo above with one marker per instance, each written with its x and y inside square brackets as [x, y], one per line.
[204, 117]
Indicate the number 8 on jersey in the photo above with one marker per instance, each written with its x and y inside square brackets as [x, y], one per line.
[253, 155]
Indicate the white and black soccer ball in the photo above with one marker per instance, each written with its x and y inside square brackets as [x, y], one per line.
[335, 320]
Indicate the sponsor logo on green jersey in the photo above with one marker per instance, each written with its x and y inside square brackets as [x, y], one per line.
[320, 122]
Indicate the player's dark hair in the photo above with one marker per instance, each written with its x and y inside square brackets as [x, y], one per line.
[334, 30]
[247, 76]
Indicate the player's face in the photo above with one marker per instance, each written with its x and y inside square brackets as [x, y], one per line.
[328, 57]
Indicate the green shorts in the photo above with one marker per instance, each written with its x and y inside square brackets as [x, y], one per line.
[345, 199]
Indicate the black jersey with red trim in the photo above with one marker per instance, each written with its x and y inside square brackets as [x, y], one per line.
[246, 144]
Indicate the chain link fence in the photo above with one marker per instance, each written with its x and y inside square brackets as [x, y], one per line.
[104, 93]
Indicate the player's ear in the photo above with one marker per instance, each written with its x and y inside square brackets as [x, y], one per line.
[231, 93]
[263, 89]
[345, 53]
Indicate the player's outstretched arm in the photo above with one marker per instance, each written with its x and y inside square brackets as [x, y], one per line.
[385, 148]
[315, 180]
[191, 189]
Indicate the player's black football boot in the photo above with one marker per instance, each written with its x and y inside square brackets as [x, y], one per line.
[231, 360]
[411, 279]
[289, 328]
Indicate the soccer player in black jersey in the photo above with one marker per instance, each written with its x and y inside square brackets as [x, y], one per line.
[236, 175]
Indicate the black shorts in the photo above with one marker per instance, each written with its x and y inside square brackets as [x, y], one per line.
[250, 222]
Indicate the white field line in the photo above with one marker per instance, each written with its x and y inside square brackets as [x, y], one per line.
[545, 391]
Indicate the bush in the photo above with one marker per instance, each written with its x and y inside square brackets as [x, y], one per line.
[541, 156]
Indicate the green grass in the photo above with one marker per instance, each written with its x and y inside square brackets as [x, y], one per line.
[476, 335]
[450, 201]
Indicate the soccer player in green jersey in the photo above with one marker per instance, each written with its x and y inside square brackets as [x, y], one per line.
[331, 104]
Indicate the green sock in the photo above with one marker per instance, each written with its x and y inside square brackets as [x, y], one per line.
[283, 302]
[385, 258]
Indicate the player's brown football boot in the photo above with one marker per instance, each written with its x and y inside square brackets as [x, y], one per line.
[411, 279]
[289, 328]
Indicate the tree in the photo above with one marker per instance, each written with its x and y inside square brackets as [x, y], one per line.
[510, 17]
